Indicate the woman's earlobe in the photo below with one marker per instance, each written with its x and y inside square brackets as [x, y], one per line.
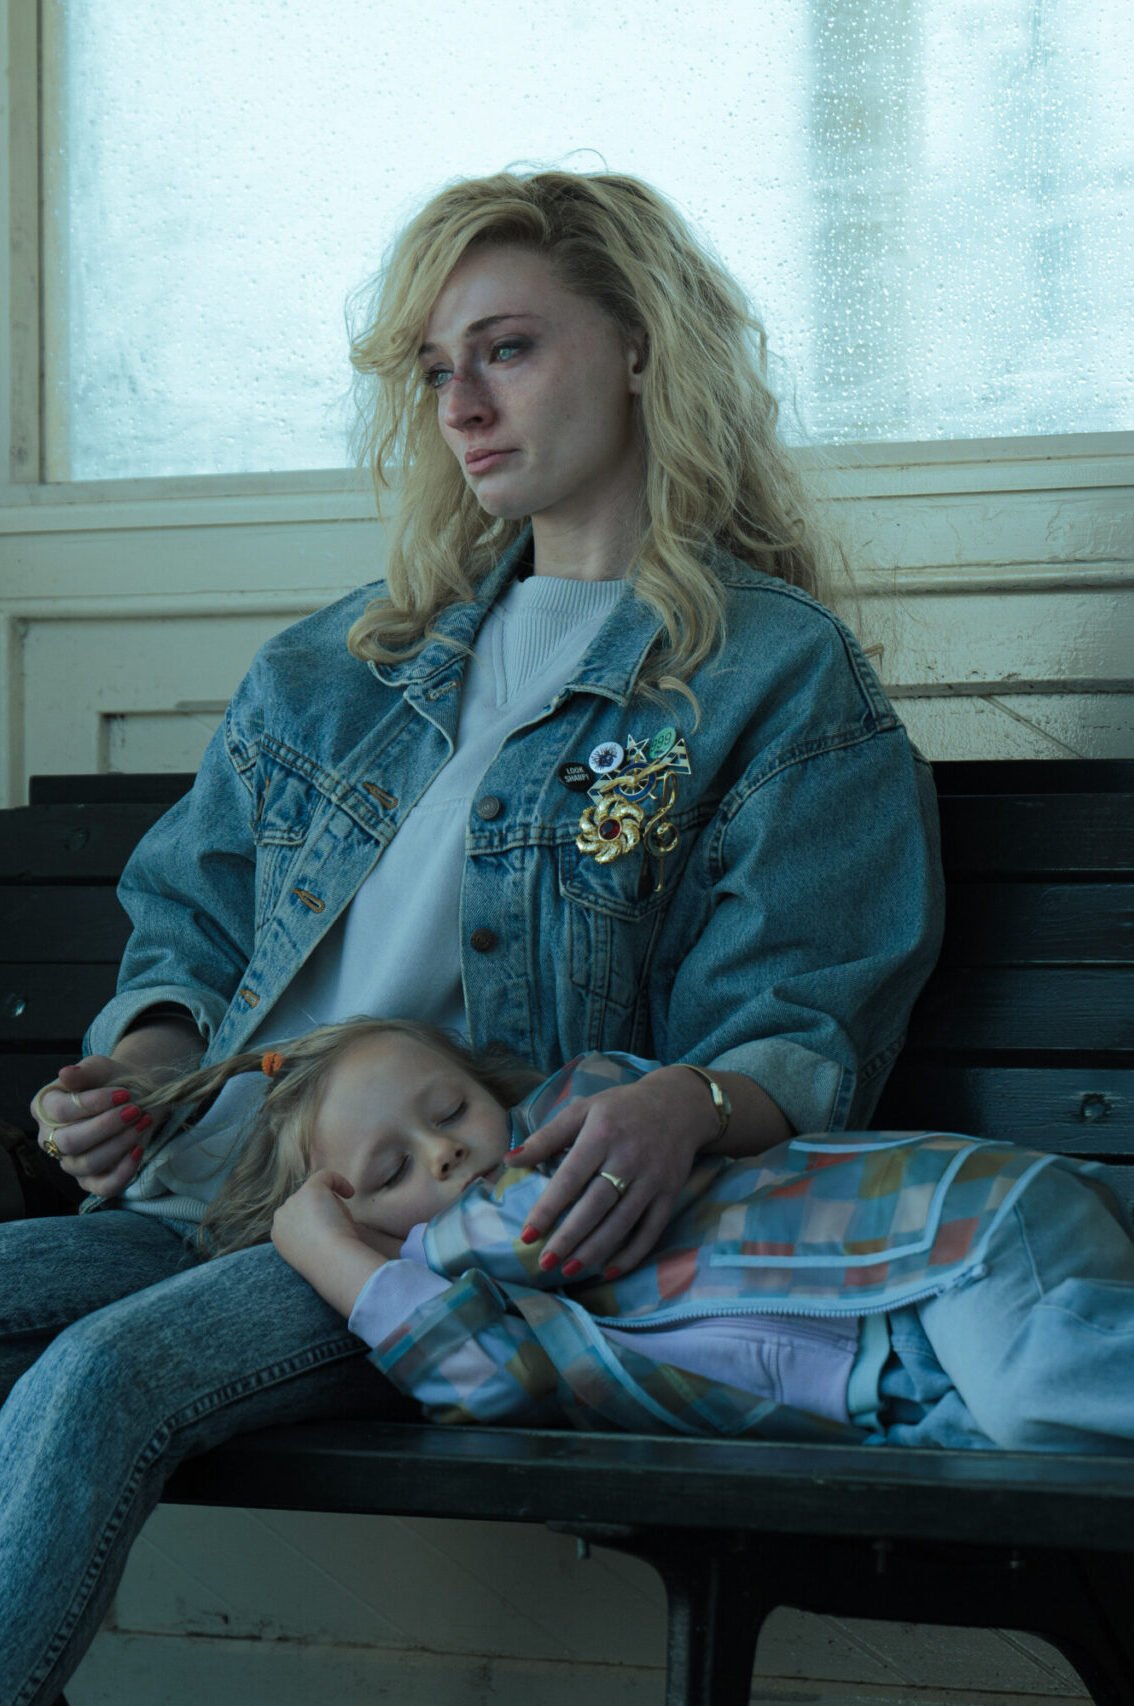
[636, 370]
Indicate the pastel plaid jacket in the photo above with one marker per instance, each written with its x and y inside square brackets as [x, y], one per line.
[838, 1225]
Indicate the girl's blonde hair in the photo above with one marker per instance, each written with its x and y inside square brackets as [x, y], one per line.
[717, 476]
[275, 1154]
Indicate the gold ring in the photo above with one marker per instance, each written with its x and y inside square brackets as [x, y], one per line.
[47, 1143]
[620, 1185]
[37, 1106]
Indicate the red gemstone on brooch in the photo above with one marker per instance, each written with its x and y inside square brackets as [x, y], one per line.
[609, 830]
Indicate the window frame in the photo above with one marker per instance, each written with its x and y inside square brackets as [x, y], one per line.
[28, 32]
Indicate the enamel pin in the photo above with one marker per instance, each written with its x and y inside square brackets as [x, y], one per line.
[633, 797]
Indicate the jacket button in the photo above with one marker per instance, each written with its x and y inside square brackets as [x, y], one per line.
[489, 806]
[483, 940]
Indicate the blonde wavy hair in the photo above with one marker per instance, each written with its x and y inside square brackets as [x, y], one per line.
[276, 1147]
[718, 477]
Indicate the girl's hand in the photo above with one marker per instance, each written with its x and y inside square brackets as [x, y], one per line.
[315, 1214]
[647, 1135]
[315, 1234]
[90, 1125]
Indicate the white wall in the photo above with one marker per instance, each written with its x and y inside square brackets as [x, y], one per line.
[996, 578]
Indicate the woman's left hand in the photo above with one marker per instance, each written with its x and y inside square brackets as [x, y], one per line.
[647, 1135]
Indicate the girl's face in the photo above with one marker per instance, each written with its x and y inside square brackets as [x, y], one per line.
[410, 1130]
[535, 389]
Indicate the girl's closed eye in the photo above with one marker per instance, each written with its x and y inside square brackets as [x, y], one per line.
[398, 1174]
[454, 1113]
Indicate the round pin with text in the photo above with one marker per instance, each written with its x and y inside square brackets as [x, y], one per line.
[578, 777]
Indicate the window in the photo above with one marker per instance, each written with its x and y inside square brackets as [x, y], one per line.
[926, 199]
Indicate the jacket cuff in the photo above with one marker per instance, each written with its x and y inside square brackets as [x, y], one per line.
[389, 1297]
[107, 1030]
[813, 1092]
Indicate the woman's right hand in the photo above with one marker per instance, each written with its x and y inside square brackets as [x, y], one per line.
[95, 1126]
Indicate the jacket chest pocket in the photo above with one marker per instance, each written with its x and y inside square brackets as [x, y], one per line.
[285, 808]
[613, 913]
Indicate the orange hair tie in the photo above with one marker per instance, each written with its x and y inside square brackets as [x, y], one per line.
[272, 1063]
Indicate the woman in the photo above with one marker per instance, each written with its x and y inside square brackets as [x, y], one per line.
[590, 770]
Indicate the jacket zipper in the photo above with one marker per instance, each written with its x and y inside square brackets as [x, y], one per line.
[648, 1323]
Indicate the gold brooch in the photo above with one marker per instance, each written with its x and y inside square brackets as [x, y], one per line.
[633, 799]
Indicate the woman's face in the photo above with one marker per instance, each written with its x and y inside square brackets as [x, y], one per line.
[535, 390]
[410, 1130]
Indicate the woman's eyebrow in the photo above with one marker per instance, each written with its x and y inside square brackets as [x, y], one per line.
[482, 326]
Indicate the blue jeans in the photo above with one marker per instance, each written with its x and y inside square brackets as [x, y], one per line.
[1038, 1354]
[120, 1354]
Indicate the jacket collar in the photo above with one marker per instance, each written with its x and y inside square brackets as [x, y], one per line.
[610, 667]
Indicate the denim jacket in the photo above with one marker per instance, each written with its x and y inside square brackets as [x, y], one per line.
[800, 911]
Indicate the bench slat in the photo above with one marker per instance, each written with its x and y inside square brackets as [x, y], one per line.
[1025, 834]
[1075, 1111]
[40, 1002]
[1039, 923]
[80, 844]
[1080, 1009]
[114, 787]
[23, 1073]
[87, 923]
[539, 1475]
[964, 776]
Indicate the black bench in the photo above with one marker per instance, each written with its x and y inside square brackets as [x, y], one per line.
[1024, 1032]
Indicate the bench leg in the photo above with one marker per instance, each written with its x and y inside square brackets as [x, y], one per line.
[1079, 1602]
[716, 1610]
[715, 1602]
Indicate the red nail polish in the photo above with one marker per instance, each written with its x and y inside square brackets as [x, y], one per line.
[128, 1114]
[143, 1124]
[119, 1097]
[611, 1273]
[571, 1268]
[548, 1260]
[529, 1235]
[136, 1153]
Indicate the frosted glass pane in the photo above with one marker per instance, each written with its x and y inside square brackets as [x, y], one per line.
[928, 199]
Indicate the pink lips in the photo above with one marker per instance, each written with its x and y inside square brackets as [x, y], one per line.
[480, 461]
